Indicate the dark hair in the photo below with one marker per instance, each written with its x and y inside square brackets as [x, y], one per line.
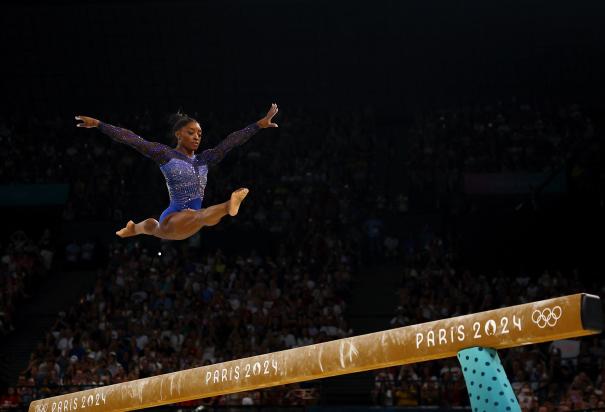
[179, 120]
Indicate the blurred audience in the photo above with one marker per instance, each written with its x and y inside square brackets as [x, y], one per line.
[157, 313]
[23, 262]
[559, 375]
[326, 186]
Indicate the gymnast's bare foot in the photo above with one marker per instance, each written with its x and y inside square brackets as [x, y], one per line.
[236, 199]
[127, 231]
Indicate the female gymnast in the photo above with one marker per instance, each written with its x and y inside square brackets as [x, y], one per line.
[185, 174]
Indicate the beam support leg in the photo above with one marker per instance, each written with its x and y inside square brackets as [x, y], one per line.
[488, 386]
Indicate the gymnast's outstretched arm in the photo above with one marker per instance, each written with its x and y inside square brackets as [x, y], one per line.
[156, 151]
[238, 138]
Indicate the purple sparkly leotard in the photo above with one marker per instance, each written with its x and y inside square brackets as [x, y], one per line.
[185, 176]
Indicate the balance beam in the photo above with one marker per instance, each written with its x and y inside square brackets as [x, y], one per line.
[559, 318]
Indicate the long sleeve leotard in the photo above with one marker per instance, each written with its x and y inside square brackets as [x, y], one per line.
[185, 176]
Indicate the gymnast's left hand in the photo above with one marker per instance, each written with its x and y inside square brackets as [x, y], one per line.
[267, 121]
[87, 122]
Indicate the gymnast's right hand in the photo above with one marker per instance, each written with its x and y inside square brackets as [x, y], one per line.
[87, 122]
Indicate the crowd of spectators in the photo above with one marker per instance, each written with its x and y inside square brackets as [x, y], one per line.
[560, 376]
[80, 254]
[24, 261]
[503, 137]
[368, 160]
[157, 313]
[506, 137]
[325, 185]
[355, 170]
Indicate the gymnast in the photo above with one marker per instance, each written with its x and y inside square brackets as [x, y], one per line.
[185, 174]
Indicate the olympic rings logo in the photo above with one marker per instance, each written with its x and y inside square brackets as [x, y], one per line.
[546, 316]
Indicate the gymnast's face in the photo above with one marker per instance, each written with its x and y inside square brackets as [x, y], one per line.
[189, 136]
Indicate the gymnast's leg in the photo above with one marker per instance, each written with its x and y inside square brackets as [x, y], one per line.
[210, 216]
[183, 224]
[146, 227]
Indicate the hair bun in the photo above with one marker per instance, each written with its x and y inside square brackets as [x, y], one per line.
[176, 117]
